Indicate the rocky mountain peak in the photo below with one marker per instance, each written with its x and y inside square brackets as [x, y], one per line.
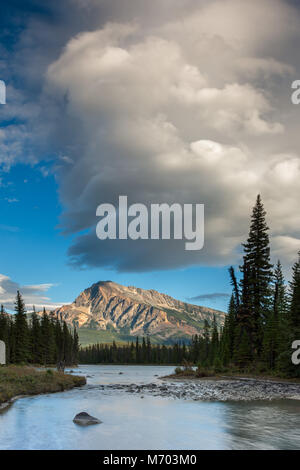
[133, 311]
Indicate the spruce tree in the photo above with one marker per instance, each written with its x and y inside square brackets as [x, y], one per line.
[48, 340]
[36, 339]
[67, 345]
[292, 331]
[245, 321]
[214, 347]
[75, 346]
[257, 271]
[276, 327]
[206, 338]
[280, 298]
[235, 286]
[230, 330]
[295, 300]
[21, 332]
[270, 343]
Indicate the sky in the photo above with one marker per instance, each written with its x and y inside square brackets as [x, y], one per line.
[176, 101]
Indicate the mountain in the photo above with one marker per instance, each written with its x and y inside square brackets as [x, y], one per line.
[112, 311]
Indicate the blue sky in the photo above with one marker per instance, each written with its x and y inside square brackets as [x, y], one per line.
[109, 98]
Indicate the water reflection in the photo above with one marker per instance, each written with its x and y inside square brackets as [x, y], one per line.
[129, 422]
[263, 425]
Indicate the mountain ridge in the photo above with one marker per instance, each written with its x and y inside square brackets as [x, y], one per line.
[133, 311]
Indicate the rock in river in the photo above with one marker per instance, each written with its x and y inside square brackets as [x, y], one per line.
[84, 419]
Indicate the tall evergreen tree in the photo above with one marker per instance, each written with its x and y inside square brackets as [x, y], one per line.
[257, 271]
[245, 322]
[228, 333]
[295, 299]
[36, 339]
[276, 326]
[48, 339]
[214, 347]
[206, 338]
[235, 286]
[21, 332]
[280, 298]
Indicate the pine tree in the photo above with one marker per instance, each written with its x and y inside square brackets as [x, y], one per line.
[75, 346]
[276, 326]
[291, 325]
[257, 271]
[137, 350]
[242, 349]
[235, 286]
[36, 339]
[21, 331]
[269, 349]
[245, 320]
[214, 347]
[295, 300]
[280, 303]
[58, 335]
[48, 339]
[148, 358]
[144, 350]
[228, 333]
[67, 345]
[206, 338]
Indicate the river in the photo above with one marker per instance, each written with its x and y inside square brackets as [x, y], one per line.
[132, 421]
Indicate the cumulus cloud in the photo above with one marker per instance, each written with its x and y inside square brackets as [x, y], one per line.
[32, 294]
[174, 102]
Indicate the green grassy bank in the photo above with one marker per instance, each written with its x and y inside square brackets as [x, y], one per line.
[23, 380]
[188, 372]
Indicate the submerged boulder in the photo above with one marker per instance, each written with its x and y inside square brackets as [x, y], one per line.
[84, 419]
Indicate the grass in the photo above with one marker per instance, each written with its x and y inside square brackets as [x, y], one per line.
[187, 371]
[24, 380]
[89, 336]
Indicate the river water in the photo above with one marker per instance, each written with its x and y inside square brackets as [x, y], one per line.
[129, 422]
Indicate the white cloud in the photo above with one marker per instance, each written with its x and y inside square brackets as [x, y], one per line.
[154, 126]
[186, 102]
[32, 294]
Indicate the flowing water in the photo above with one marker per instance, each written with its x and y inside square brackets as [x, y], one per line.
[130, 422]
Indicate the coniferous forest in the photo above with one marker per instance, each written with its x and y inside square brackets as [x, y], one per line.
[38, 340]
[262, 322]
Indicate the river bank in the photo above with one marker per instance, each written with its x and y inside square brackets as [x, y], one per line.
[210, 389]
[16, 381]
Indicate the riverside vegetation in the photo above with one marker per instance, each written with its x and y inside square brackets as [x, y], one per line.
[40, 341]
[44, 341]
[24, 380]
[262, 322]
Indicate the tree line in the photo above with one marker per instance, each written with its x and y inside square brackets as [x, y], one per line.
[263, 316]
[262, 322]
[140, 351]
[37, 340]
[264, 312]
